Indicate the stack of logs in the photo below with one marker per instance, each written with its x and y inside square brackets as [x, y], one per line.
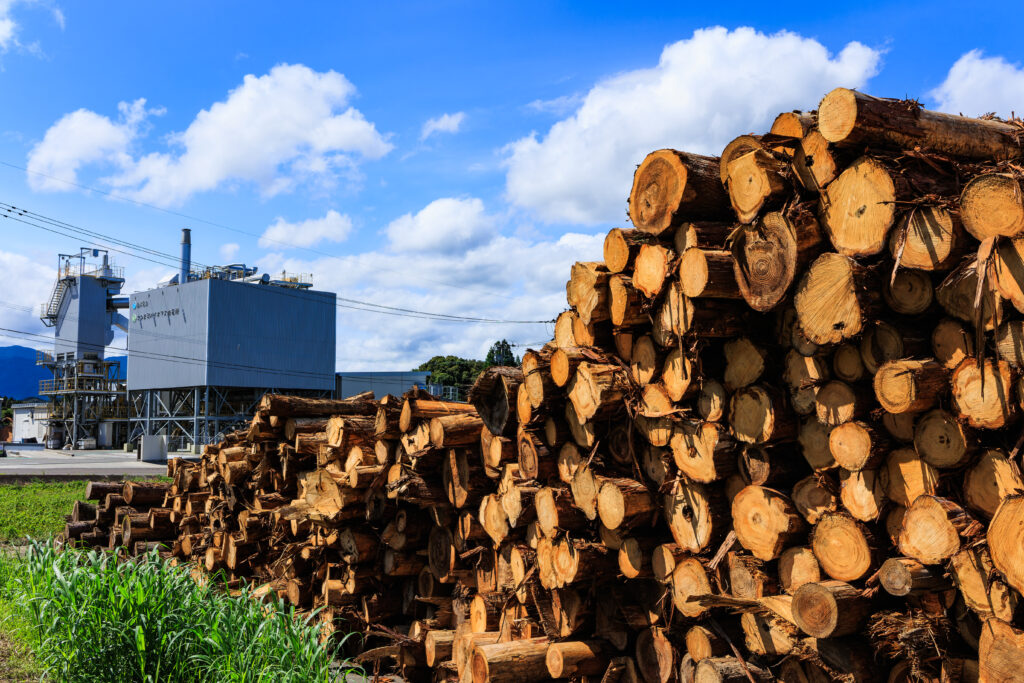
[772, 439]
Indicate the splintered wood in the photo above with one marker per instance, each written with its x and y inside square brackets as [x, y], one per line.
[775, 438]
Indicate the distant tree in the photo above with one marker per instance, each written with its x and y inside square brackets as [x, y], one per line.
[452, 371]
[501, 354]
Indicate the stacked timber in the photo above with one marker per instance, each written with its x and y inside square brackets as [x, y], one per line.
[774, 437]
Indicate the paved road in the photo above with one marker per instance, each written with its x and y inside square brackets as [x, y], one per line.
[40, 462]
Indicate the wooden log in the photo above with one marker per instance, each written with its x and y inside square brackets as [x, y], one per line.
[851, 118]
[991, 205]
[624, 503]
[844, 547]
[798, 566]
[138, 493]
[906, 476]
[712, 401]
[838, 402]
[983, 393]
[704, 452]
[857, 445]
[768, 636]
[804, 375]
[587, 291]
[754, 180]
[941, 440]
[814, 444]
[99, 490]
[455, 430]
[932, 529]
[951, 343]
[992, 478]
[1006, 540]
[288, 406]
[910, 386]
[626, 303]
[768, 256]
[696, 515]
[689, 580]
[982, 590]
[1000, 652]
[728, 670]
[494, 397]
[814, 496]
[655, 656]
[747, 577]
[577, 658]
[901, 576]
[644, 360]
[927, 238]
[621, 246]
[596, 388]
[835, 298]
[909, 292]
[765, 521]
[708, 273]
[702, 643]
[862, 493]
[651, 269]
[829, 609]
[758, 416]
[670, 187]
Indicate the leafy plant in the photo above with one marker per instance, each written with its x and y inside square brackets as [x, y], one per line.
[91, 617]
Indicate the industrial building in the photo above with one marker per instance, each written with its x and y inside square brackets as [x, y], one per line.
[202, 349]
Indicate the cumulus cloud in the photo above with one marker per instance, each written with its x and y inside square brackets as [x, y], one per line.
[84, 137]
[24, 284]
[977, 85]
[501, 277]
[445, 123]
[704, 91]
[289, 126]
[229, 251]
[445, 224]
[333, 227]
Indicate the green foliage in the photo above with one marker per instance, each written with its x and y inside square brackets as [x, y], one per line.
[452, 371]
[501, 354]
[89, 617]
[36, 509]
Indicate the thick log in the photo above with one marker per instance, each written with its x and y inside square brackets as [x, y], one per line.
[982, 590]
[696, 515]
[983, 393]
[494, 397]
[814, 496]
[844, 547]
[992, 205]
[829, 609]
[910, 386]
[862, 493]
[455, 430]
[577, 658]
[941, 440]
[621, 246]
[655, 656]
[1006, 540]
[768, 256]
[933, 528]
[992, 478]
[670, 187]
[798, 566]
[1000, 652]
[850, 118]
[754, 180]
[729, 670]
[289, 406]
[901, 576]
[906, 476]
[856, 446]
[624, 503]
[709, 274]
[835, 298]
[596, 388]
[765, 521]
[587, 291]
[758, 415]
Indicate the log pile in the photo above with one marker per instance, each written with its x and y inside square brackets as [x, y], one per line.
[775, 437]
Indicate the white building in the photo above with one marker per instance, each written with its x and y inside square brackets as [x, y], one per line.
[29, 422]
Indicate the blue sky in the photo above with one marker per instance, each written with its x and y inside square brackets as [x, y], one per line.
[310, 120]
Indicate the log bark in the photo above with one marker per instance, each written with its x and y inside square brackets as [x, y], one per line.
[851, 118]
[670, 187]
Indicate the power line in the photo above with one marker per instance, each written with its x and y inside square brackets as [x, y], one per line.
[32, 219]
[171, 212]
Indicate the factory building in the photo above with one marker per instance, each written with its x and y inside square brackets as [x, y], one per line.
[202, 349]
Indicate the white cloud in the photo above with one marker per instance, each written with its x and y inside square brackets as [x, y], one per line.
[977, 85]
[24, 285]
[229, 251]
[703, 92]
[446, 123]
[85, 137]
[445, 224]
[558, 105]
[500, 277]
[333, 227]
[58, 16]
[289, 126]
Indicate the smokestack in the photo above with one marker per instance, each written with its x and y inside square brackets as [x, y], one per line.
[186, 255]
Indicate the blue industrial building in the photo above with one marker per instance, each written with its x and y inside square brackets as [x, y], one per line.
[203, 348]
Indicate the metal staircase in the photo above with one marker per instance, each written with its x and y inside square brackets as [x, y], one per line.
[51, 308]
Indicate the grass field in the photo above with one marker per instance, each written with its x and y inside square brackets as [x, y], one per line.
[85, 616]
[36, 509]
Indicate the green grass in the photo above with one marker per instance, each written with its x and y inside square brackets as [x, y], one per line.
[87, 617]
[36, 509]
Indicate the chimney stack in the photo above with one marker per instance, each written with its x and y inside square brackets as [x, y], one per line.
[186, 255]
